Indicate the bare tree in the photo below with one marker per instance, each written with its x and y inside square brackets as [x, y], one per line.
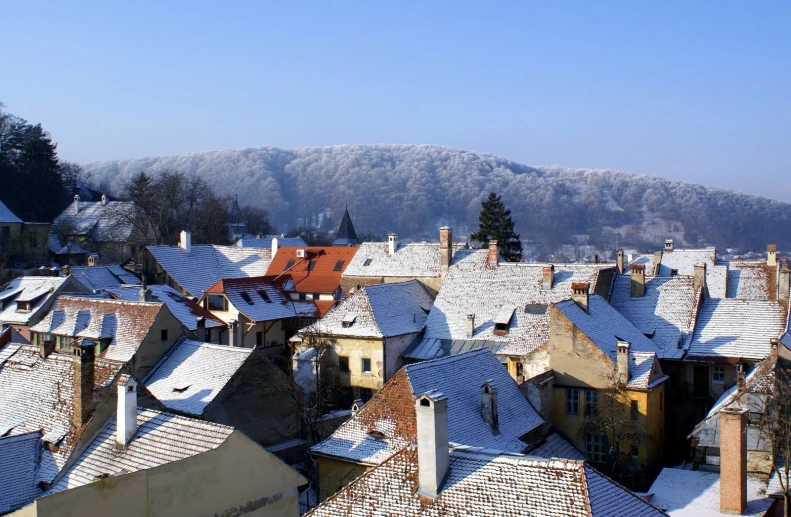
[65, 231]
[776, 424]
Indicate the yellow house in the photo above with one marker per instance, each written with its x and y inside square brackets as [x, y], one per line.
[24, 242]
[609, 388]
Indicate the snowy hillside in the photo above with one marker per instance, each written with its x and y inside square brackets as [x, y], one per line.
[412, 189]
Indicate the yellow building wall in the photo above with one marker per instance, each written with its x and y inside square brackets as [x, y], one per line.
[357, 349]
[336, 474]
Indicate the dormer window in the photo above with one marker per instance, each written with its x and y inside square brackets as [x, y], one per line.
[246, 297]
[500, 329]
[23, 306]
[367, 262]
[264, 296]
[503, 320]
[378, 435]
[348, 320]
[216, 302]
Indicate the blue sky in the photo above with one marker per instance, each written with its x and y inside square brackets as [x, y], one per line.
[698, 91]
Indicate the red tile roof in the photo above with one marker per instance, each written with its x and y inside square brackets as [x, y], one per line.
[323, 278]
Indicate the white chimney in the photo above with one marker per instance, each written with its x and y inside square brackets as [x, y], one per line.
[489, 405]
[433, 456]
[275, 244]
[470, 325]
[186, 241]
[392, 243]
[771, 254]
[104, 200]
[623, 363]
[145, 295]
[669, 245]
[76, 203]
[126, 414]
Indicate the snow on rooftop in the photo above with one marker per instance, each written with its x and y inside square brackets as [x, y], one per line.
[183, 308]
[753, 280]
[101, 277]
[32, 288]
[682, 262]
[7, 216]
[266, 242]
[18, 462]
[111, 222]
[414, 260]
[556, 446]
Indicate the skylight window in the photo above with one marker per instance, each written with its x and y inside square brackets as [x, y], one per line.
[289, 265]
[367, 262]
[264, 296]
[246, 297]
[311, 265]
[338, 265]
[181, 389]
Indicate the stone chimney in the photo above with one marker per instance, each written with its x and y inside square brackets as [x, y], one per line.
[392, 243]
[201, 331]
[433, 456]
[733, 460]
[784, 284]
[623, 363]
[84, 355]
[774, 346]
[186, 241]
[494, 254]
[489, 405]
[547, 277]
[669, 245]
[76, 203]
[145, 295]
[275, 245]
[771, 254]
[46, 347]
[579, 293]
[699, 278]
[637, 275]
[445, 249]
[126, 413]
[619, 261]
[470, 325]
[657, 262]
[104, 200]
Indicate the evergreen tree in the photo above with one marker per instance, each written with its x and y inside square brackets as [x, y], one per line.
[495, 222]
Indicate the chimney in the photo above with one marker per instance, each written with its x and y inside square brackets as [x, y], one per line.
[202, 329]
[740, 381]
[445, 249]
[579, 293]
[145, 295]
[733, 460]
[771, 254]
[623, 363]
[433, 457]
[774, 346]
[489, 405]
[186, 241]
[547, 277]
[669, 245]
[470, 325]
[76, 203]
[392, 243]
[637, 285]
[104, 200]
[275, 245]
[46, 347]
[595, 259]
[619, 261]
[126, 413]
[65, 270]
[84, 355]
[237, 336]
[784, 284]
[657, 262]
[494, 254]
[699, 278]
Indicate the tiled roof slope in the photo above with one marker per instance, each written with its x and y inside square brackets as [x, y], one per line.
[205, 265]
[161, 438]
[730, 328]
[380, 310]
[183, 308]
[752, 280]
[266, 242]
[101, 277]
[31, 288]
[7, 216]
[683, 261]
[556, 446]
[391, 411]
[484, 484]
[666, 313]
[111, 222]
[126, 324]
[18, 463]
[192, 373]
[605, 326]
[409, 260]
[325, 277]
[471, 287]
[245, 295]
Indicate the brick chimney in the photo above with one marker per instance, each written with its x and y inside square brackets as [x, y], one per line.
[470, 325]
[46, 347]
[186, 241]
[84, 355]
[771, 254]
[619, 261]
[547, 277]
[784, 284]
[733, 460]
[494, 254]
[445, 249]
[126, 413]
[668, 245]
[623, 363]
[76, 203]
[579, 293]
[637, 284]
[657, 262]
[699, 278]
[433, 456]
[392, 243]
[489, 405]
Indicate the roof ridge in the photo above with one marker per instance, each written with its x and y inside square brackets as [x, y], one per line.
[449, 359]
[124, 303]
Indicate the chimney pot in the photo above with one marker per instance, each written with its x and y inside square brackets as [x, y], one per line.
[623, 363]
[470, 325]
[445, 249]
[774, 346]
[547, 277]
[126, 413]
[669, 245]
[771, 254]
[637, 276]
[104, 200]
[186, 241]
[580, 292]
[392, 243]
[489, 405]
[619, 261]
[83, 377]
[733, 460]
[494, 253]
[433, 456]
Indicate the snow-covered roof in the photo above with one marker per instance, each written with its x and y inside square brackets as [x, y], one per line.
[192, 374]
[696, 493]
[101, 277]
[380, 310]
[100, 222]
[485, 483]
[391, 411]
[556, 446]
[18, 461]
[409, 260]
[434, 348]
[665, 314]
[7, 216]
[183, 308]
[752, 280]
[36, 289]
[472, 287]
[161, 438]
[205, 265]
[682, 262]
[730, 328]
[265, 241]
[125, 324]
[261, 299]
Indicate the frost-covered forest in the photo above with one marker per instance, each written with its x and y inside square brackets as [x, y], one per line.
[413, 189]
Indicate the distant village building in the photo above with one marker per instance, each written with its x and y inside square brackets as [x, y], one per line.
[23, 242]
[272, 242]
[102, 277]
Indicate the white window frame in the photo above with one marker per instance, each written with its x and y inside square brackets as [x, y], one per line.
[715, 374]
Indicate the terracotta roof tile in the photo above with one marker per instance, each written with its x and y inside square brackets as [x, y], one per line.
[323, 276]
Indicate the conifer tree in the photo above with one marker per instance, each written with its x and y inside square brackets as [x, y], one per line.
[495, 222]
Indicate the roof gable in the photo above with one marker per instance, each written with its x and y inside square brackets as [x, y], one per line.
[7, 216]
[35, 289]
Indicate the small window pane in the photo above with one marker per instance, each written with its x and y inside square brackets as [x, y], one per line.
[338, 265]
[572, 401]
[591, 403]
[289, 264]
[367, 262]
[366, 366]
[311, 264]
[596, 447]
[216, 302]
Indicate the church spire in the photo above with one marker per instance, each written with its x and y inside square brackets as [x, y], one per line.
[346, 236]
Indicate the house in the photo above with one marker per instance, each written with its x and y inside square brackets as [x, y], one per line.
[484, 405]
[756, 279]
[136, 335]
[312, 273]
[368, 331]
[146, 462]
[23, 242]
[435, 477]
[95, 278]
[238, 387]
[500, 303]
[272, 242]
[392, 261]
[346, 236]
[105, 227]
[24, 301]
[193, 269]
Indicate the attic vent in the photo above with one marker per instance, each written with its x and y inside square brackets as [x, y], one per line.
[264, 296]
[673, 272]
[376, 434]
[338, 265]
[246, 297]
[348, 320]
[289, 265]
[181, 389]
[367, 262]
[535, 308]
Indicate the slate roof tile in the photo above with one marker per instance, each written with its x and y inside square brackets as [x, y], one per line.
[101, 277]
[19, 457]
[26, 287]
[99, 222]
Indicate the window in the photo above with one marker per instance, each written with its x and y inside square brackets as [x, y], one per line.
[264, 296]
[215, 302]
[520, 370]
[289, 265]
[367, 262]
[303, 296]
[259, 338]
[6, 232]
[343, 363]
[246, 297]
[572, 401]
[163, 334]
[635, 410]
[501, 329]
[32, 241]
[718, 374]
[591, 403]
[596, 447]
[311, 265]
[366, 365]
[338, 265]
